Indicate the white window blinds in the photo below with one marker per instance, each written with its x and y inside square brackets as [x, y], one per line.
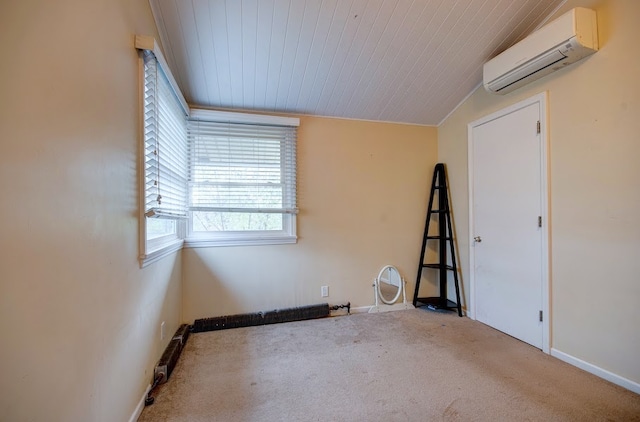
[235, 167]
[165, 148]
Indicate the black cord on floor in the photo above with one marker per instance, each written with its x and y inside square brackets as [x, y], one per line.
[336, 307]
[149, 400]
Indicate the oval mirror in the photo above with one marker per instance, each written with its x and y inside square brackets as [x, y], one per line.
[389, 284]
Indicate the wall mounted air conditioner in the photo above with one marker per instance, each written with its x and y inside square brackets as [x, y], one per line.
[566, 40]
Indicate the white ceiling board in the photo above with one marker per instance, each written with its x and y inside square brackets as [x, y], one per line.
[280, 16]
[321, 64]
[314, 56]
[339, 57]
[263, 46]
[407, 61]
[361, 57]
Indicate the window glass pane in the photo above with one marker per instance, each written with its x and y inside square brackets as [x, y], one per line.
[205, 221]
[158, 227]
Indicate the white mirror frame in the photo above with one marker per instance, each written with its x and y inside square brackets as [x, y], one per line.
[392, 271]
[389, 305]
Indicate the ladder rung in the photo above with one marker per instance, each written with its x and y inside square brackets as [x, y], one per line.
[437, 266]
[437, 237]
[437, 302]
[439, 211]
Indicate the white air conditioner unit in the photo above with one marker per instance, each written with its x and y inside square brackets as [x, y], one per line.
[566, 40]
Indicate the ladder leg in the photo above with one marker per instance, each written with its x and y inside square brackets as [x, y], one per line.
[443, 218]
[454, 265]
[424, 238]
[455, 278]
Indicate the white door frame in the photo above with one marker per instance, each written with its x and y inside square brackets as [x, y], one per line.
[540, 99]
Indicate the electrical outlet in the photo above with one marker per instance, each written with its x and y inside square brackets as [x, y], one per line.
[162, 331]
[324, 291]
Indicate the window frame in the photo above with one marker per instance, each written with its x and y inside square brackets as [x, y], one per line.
[151, 250]
[288, 234]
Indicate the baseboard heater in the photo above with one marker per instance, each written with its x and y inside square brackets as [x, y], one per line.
[261, 318]
[169, 359]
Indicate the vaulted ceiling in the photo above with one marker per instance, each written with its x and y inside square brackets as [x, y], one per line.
[407, 61]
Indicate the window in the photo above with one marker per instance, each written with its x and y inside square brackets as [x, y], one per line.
[163, 161]
[220, 178]
[242, 179]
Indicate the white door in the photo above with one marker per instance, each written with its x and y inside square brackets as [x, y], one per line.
[508, 242]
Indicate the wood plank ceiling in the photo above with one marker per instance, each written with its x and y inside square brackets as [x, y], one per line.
[407, 61]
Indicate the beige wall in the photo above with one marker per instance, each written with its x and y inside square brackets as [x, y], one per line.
[363, 188]
[79, 320]
[594, 120]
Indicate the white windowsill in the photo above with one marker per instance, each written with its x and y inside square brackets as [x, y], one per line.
[200, 242]
[196, 242]
[160, 253]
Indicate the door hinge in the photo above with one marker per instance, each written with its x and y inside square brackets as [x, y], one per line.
[539, 221]
[540, 316]
[538, 127]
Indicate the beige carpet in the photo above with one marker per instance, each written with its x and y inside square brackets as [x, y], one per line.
[415, 365]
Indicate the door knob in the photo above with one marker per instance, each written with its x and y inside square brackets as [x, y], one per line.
[477, 239]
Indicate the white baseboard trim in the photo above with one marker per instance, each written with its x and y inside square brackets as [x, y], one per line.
[597, 371]
[371, 309]
[136, 413]
[360, 310]
[389, 308]
[343, 311]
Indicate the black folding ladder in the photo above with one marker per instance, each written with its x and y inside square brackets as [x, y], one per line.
[444, 236]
